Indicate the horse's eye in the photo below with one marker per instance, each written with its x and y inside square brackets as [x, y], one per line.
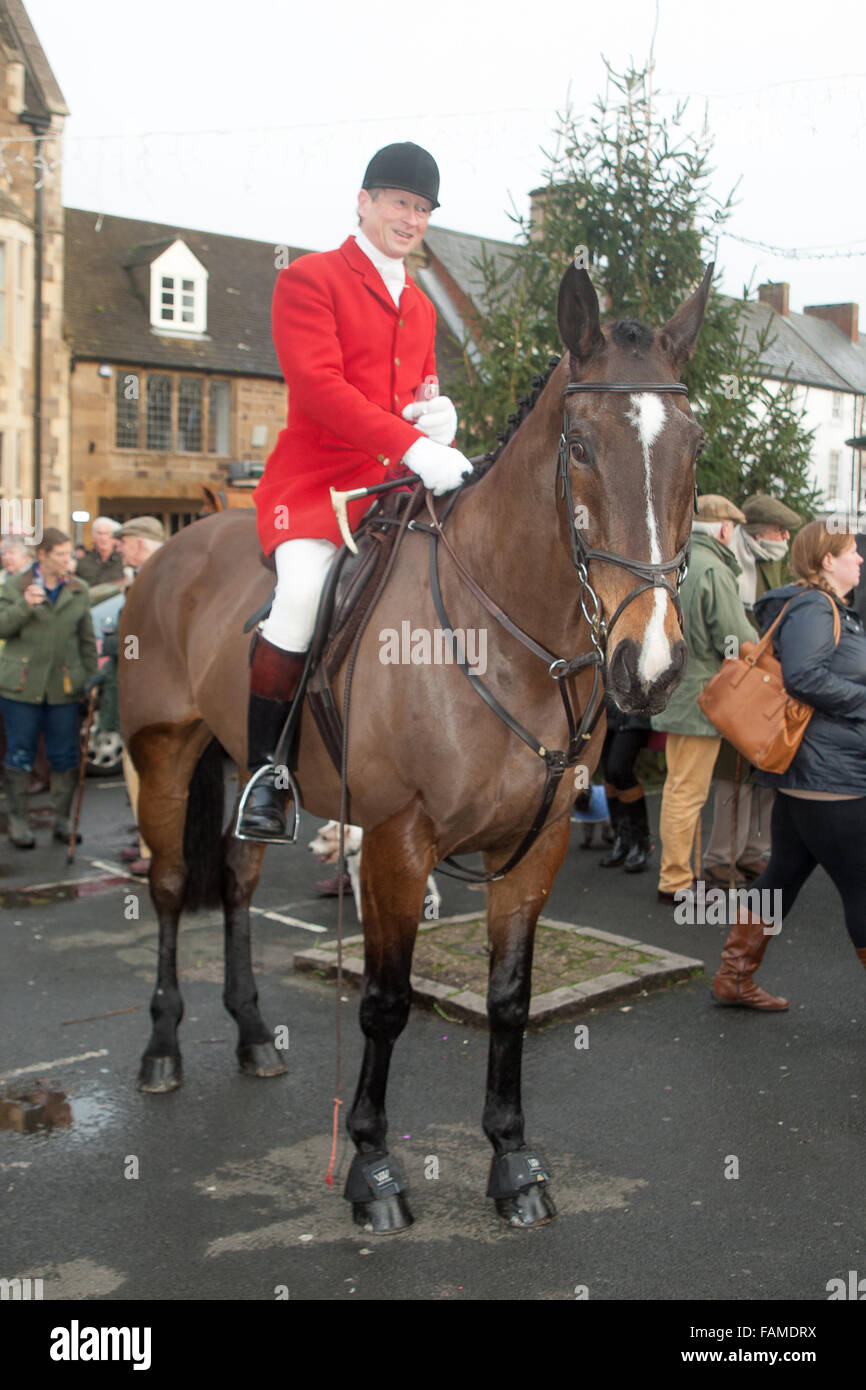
[578, 452]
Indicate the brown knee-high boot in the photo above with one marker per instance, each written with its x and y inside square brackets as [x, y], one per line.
[741, 955]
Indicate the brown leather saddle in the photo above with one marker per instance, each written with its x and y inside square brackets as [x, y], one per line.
[349, 591]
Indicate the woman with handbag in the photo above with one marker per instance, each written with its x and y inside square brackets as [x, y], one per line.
[819, 816]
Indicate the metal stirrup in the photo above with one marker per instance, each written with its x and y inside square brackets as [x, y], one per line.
[291, 836]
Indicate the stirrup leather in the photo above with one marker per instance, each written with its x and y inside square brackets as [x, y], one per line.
[259, 775]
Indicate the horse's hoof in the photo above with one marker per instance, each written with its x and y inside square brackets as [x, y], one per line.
[531, 1207]
[260, 1059]
[384, 1215]
[376, 1188]
[160, 1074]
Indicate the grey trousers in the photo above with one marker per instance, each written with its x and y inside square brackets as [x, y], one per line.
[753, 825]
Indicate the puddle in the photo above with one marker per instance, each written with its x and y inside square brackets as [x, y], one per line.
[36, 1109]
[29, 1111]
[43, 894]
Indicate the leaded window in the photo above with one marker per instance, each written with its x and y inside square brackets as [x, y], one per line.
[218, 417]
[126, 410]
[158, 411]
[189, 414]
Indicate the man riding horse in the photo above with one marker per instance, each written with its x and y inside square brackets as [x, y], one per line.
[355, 337]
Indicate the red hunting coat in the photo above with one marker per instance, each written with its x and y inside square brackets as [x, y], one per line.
[352, 361]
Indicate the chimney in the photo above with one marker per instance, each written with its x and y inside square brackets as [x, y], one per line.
[775, 293]
[845, 316]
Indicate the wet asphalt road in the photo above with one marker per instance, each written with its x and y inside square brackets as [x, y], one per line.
[229, 1201]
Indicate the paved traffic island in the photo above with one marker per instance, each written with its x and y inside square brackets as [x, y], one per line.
[574, 968]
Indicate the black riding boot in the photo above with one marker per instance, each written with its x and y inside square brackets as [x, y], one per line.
[621, 832]
[636, 859]
[274, 676]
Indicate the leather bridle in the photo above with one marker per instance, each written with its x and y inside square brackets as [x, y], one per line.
[559, 669]
[652, 575]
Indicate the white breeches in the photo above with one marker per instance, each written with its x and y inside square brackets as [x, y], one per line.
[301, 569]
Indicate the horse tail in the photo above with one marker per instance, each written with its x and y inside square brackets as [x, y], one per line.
[203, 851]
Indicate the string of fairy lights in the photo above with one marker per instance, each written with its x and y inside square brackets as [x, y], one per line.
[13, 161]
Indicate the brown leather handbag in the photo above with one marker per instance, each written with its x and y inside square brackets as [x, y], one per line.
[749, 705]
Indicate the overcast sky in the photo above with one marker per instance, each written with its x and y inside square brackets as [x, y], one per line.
[257, 119]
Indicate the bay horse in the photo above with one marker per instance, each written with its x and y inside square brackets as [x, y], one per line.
[593, 490]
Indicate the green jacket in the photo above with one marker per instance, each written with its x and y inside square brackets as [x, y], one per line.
[713, 613]
[50, 650]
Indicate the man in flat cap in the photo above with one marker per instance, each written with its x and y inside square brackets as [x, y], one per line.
[713, 615]
[355, 337]
[739, 844]
[136, 542]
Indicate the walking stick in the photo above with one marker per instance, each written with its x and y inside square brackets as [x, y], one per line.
[82, 770]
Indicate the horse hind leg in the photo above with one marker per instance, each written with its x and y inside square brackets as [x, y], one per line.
[518, 1177]
[395, 860]
[196, 866]
[166, 757]
[256, 1051]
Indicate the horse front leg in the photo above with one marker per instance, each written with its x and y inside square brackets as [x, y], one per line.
[256, 1052]
[518, 1178]
[165, 758]
[396, 858]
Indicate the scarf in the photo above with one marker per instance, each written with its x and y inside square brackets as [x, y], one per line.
[749, 550]
[391, 269]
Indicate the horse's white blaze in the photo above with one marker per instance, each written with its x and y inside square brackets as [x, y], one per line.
[647, 414]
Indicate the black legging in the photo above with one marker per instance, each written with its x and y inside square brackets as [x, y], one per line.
[830, 833]
[618, 755]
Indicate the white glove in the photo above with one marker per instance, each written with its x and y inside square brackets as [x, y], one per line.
[437, 418]
[439, 468]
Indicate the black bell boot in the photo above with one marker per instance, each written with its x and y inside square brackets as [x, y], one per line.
[621, 834]
[636, 859]
[274, 676]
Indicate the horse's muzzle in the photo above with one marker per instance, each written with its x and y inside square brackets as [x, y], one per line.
[630, 691]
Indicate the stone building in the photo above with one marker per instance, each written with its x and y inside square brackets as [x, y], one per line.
[174, 382]
[34, 390]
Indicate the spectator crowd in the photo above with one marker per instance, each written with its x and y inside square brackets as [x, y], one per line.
[769, 829]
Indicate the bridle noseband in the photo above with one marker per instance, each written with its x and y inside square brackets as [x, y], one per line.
[653, 576]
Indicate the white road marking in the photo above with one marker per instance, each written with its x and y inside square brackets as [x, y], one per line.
[51, 1066]
[115, 869]
[289, 921]
[648, 417]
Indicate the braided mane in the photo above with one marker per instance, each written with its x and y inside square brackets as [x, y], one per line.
[517, 417]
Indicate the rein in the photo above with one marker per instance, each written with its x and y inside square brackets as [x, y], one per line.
[653, 576]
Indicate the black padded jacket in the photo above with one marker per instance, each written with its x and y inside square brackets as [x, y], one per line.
[830, 678]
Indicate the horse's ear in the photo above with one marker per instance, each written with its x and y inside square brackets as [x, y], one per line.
[577, 315]
[678, 337]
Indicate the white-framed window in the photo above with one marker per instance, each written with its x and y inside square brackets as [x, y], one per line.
[833, 475]
[836, 409]
[178, 292]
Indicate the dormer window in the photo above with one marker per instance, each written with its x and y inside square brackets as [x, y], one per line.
[178, 293]
[177, 301]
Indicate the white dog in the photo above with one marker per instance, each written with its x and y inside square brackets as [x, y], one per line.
[326, 847]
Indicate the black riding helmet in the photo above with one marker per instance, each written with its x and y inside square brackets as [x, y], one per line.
[405, 166]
